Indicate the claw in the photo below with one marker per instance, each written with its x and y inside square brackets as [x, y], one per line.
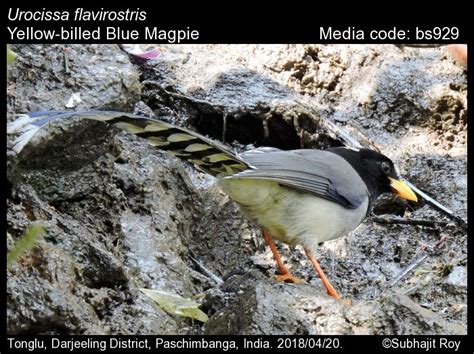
[346, 302]
[289, 278]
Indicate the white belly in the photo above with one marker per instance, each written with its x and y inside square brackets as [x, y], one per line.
[291, 216]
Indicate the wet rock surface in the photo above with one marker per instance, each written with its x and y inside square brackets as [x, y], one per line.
[121, 215]
[71, 77]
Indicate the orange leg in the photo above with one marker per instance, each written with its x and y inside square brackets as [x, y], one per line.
[285, 273]
[330, 289]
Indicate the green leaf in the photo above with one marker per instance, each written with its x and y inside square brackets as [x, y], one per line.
[11, 56]
[176, 305]
[25, 243]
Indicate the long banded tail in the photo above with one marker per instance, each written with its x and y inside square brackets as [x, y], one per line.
[207, 155]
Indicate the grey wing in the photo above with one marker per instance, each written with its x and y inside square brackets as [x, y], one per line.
[320, 173]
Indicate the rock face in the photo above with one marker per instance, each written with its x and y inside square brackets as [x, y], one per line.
[121, 215]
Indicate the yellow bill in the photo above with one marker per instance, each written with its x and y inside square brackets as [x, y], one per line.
[401, 189]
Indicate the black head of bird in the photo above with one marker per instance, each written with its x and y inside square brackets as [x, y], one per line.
[377, 171]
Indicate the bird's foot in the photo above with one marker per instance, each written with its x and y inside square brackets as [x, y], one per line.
[333, 293]
[289, 278]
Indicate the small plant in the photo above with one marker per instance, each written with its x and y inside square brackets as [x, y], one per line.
[11, 55]
[25, 243]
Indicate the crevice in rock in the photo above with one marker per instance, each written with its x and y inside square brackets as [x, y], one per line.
[219, 126]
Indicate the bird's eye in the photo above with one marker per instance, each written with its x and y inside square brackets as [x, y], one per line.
[385, 166]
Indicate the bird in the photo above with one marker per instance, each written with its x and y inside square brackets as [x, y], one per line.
[298, 197]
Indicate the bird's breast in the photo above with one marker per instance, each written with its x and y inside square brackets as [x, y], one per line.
[291, 216]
